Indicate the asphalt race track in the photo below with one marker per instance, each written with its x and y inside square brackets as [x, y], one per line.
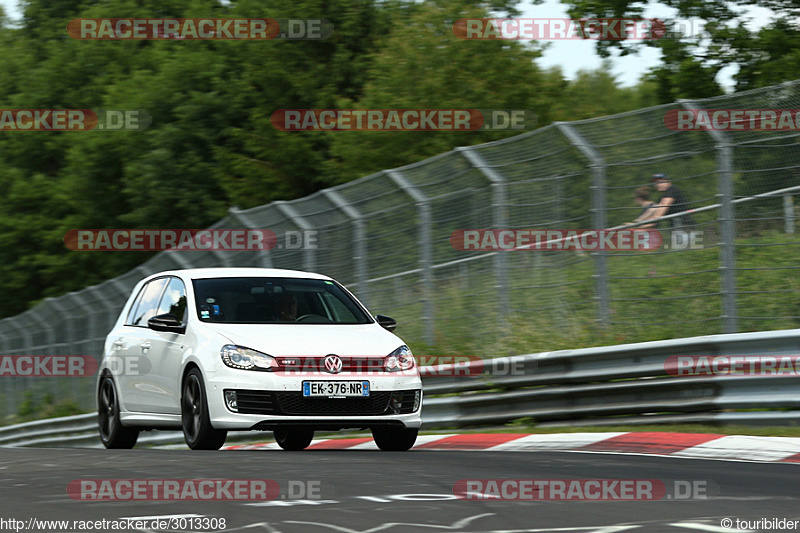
[371, 491]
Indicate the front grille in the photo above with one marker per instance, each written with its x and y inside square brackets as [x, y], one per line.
[293, 403]
[260, 402]
[314, 364]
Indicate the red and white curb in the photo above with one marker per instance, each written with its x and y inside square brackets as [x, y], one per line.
[687, 445]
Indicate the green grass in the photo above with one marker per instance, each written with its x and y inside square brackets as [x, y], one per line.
[31, 408]
[655, 296]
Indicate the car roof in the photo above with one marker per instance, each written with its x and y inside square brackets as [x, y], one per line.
[239, 272]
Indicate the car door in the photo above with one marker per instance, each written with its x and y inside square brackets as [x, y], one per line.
[133, 346]
[161, 393]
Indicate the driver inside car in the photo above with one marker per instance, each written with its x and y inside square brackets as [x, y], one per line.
[287, 307]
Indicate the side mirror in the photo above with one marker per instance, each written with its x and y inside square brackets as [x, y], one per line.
[386, 322]
[166, 322]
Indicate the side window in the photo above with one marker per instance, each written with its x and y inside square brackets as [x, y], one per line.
[148, 302]
[174, 300]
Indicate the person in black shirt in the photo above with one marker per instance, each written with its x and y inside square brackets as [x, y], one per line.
[673, 200]
[642, 197]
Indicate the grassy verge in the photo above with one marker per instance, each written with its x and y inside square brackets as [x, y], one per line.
[653, 296]
[32, 408]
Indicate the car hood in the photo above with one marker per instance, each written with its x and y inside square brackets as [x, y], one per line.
[310, 339]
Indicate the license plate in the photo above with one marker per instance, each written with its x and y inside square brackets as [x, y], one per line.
[335, 389]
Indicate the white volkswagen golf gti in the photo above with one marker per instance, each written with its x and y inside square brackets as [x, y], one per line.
[218, 349]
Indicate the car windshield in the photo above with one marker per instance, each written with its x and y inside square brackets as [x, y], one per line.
[275, 301]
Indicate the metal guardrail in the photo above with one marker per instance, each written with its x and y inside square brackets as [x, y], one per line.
[614, 385]
[597, 386]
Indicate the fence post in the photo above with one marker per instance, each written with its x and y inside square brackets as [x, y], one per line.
[111, 316]
[72, 335]
[264, 257]
[175, 257]
[309, 263]
[360, 237]
[26, 346]
[48, 329]
[426, 250]
[499, 221]
[598, 210]
[10, 403]
[727, 222]
[89, 337]
[95, 328]
[788, 212]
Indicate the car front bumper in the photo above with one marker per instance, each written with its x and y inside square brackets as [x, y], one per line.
[281, 403]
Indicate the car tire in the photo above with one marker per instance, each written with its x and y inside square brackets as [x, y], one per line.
[198, 432]
[395, 440]
[293, 439]
[112, 433]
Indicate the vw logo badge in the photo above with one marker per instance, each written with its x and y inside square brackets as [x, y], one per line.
[332, 364]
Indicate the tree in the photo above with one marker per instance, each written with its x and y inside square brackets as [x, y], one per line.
[718, 38]
[423, 65]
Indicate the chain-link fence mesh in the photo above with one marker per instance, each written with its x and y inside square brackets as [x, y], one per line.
[387, 237]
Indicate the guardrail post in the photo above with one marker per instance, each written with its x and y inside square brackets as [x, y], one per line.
[309, 262]
[727, 224]
[265, 259]
[598, 210]
[426, 249]
[360, 238]
[499, 221]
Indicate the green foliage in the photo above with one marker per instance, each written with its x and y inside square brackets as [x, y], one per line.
[719, 37]
[597, 93]
[33, 408]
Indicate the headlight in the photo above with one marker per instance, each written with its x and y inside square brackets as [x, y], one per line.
[400, 359]
[246, 359]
